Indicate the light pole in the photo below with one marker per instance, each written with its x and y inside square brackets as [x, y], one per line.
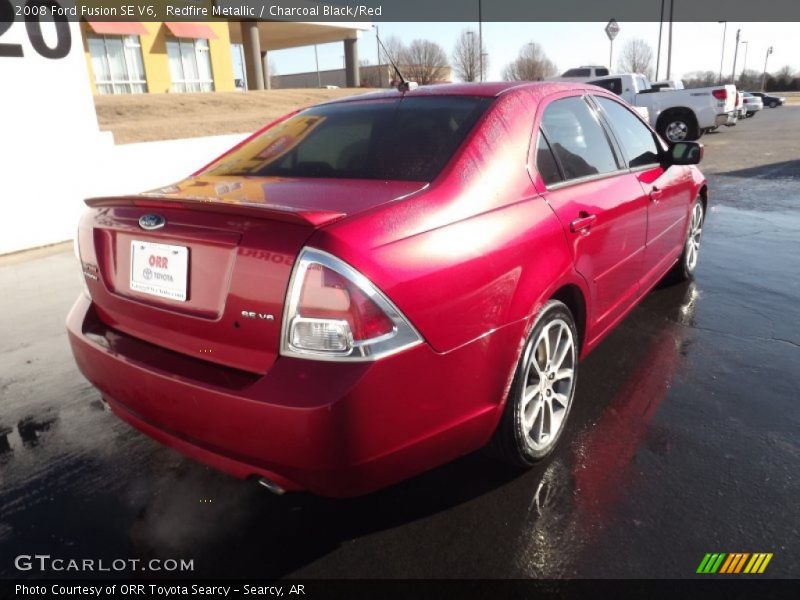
[735, 54]
[722, 55]
[744, 62]
[669, 43]
[316, 60]
[660, 29]
[480, 36]
[471, 51]
[764, 76]
[378, 48]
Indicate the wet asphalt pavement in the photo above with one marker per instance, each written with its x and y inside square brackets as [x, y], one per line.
[683, 438]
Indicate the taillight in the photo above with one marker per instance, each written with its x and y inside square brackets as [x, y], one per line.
[76, 248]
[335, 313]
[721, 94]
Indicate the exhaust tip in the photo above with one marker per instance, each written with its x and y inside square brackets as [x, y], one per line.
[271, 486]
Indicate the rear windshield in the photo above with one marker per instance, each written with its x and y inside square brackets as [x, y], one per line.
[399, 138]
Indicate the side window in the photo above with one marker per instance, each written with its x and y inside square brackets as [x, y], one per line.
[579, 142]
[612, 85]
[546, 162]
[636, 139]
[601, 72]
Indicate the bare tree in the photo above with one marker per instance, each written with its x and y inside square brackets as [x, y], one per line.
[697, 79]
[467, 57]
[395, 48]
[532, 64]
[425, 62]
[637, 57]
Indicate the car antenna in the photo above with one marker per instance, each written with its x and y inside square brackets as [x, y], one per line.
[403, 86]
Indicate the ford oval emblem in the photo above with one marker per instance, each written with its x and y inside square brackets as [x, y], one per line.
[151, 222]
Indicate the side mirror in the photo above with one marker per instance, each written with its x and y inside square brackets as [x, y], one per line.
[685, 153]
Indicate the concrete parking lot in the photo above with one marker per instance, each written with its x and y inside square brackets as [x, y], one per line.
[683, 439]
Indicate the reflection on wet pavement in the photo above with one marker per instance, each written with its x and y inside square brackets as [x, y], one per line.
[683, 439]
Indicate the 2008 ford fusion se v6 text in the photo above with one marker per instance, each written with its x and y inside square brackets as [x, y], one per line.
[371, 287]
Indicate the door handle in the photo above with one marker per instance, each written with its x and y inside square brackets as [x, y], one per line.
[656, 193]
[583, 223]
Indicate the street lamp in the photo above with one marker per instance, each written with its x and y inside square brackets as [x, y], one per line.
[378, 48]
[722, 55]
[480, 36]
[764, 76]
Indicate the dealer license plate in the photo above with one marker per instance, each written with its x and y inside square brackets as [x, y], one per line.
[159, 269]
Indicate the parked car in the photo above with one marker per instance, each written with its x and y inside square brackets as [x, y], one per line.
[770, 101]
[741, 109]
[371, 287]
[677, 115]
[667, 84]
[751, 103]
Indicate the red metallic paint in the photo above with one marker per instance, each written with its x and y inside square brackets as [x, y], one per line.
[469, 259]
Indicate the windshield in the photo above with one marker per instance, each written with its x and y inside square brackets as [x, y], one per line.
[407, 139]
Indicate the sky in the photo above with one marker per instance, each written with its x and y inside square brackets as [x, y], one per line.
[696, 46]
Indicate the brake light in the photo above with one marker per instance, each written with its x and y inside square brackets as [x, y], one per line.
[721, 94]
[335, 313]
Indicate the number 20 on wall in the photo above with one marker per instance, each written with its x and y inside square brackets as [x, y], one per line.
[34, 10]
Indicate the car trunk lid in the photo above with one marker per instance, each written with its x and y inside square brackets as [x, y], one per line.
[210, 279]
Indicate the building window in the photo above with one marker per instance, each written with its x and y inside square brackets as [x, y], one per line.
[117, 64]
[190, 65]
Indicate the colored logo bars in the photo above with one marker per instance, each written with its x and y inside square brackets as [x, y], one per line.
[741, 562]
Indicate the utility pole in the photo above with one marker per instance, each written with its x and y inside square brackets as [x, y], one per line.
[744, 62]
[764, 76]
[660, 29]
[378, 48]
[480, 36]
[735, 54]
[316, 59]
[669, 43]
[722, 55]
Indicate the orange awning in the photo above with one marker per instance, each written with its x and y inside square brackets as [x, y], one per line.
[117, 27]
[191, 30]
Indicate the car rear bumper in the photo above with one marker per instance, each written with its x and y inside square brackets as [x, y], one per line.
[330, 428]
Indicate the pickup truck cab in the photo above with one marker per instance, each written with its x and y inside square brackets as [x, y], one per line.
[677, 115]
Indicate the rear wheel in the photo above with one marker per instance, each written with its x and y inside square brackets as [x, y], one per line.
[685, 267]
[678, 126]
[541, 394]
[772, 104]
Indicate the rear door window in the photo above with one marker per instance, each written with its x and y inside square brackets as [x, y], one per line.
[546, 162]
[577, 139]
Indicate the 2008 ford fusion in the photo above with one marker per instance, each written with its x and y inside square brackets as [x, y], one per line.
[371, 287]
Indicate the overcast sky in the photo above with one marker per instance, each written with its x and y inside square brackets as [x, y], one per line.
[696, 46]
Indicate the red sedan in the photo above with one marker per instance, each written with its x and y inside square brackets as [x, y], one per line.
[368, 288]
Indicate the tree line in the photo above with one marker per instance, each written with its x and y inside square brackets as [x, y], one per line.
[426, 62]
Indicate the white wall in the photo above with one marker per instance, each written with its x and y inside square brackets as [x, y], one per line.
[52, 154]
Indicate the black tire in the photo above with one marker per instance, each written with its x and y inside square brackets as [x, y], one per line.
[773, 104]
[511, 443]
[685, 268]
[679, 119]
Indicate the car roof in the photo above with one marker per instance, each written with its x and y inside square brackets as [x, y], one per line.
[490, 89]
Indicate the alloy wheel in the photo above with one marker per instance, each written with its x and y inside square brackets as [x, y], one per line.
[548, 376]
[693, 239]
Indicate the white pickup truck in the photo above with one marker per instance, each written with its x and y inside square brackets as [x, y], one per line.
[677, 115]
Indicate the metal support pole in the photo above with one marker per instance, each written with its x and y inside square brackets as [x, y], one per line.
[660, 30]
[669, 43]
[735, 54]
[722, 55]
[252, 55]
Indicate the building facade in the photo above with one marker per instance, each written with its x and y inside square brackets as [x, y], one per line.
[136, 58]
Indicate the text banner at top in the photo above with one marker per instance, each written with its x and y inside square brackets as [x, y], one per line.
[340, 11]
